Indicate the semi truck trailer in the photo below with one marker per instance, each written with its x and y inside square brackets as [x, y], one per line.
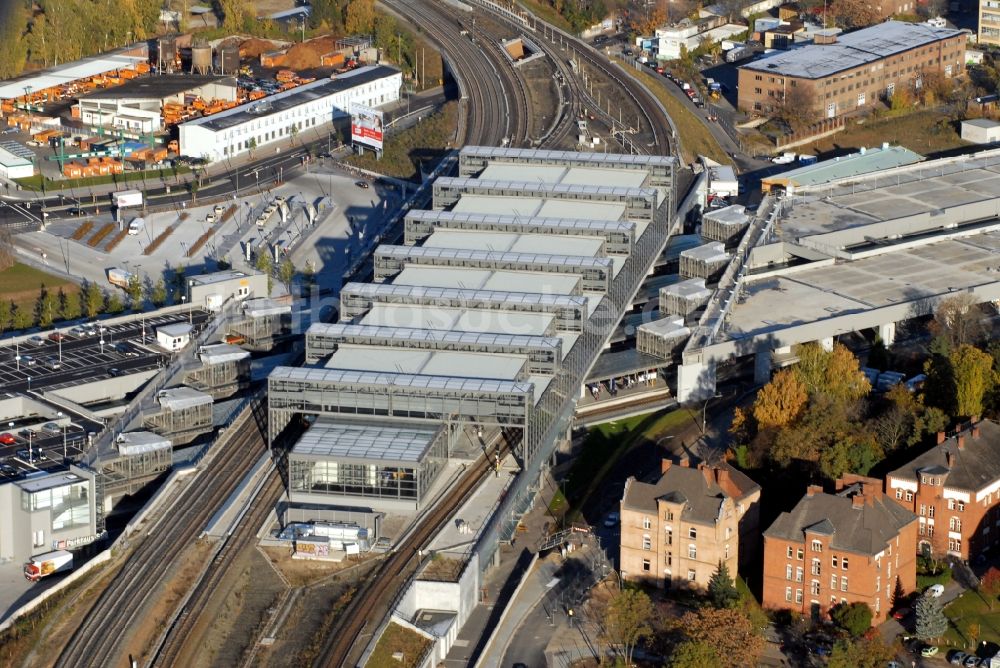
[47, 564]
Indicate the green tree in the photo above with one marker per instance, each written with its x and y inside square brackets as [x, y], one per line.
[23, 317]
[134, 292]
[158, 293]
[866, 652]
[931, 621]
[47, 307]
[852, 454]
[286, 273]
[326, 14]
[626, 621]
[252, 145]
[693, 654]
[721, 588]
[113, 303]
[265, 264]
[93, 299]
[972, 371]
[855, 618]
[781, 401]
[69, 305]
[180, 284]
[6, 313]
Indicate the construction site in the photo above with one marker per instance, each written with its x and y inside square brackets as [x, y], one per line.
[121, 111]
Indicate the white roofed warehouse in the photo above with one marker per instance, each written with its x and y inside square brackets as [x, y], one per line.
[261, 122]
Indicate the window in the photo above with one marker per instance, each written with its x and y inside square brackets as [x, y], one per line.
[668, 560]
[645, 565]
[878, 584]
[668, 516]
[726, 551]
[833, 582]
[909, 495]
[930, 530]
[789, 552]
[960, 506]
[814, 588]
[647, 544]
[843, 563]
[799, 553]
[670, 536]
[798, 574]
[817, 546]
[951, 504]
[788, 593]
[692, 551]
[692, 576]
[757, 91]
[729, 533]
[899, 493]
[798, 595]
[843, 583]
[954, 544]
[692, 533]
[833, 561]
[646, 524]
[815, 567]
[788, 571]
[930, 511]
[923, 509]
[38, 538]
[954, 524]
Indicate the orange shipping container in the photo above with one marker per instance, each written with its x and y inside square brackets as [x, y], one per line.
[75, 111]
[142, 68]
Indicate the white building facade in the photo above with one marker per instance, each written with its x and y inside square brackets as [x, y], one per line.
[256, 124]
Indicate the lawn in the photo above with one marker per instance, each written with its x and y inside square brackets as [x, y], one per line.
[696, 139]
[423, 144]
[394, 639]
[547, 13]
[970, 608]
[608, 442]
[921, 131]
[22, 283]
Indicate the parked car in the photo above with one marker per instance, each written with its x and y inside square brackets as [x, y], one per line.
[53, 363]
[27, 359]
[935, 591]
[76, 211]
[36, 341]
[113, 372]
[971, 661]
[57, 337]
[957, 658]
[51, 427]
[362, 184]
[7, 438]
[8, 470]
[218, 209]
[929, 651]
[24, 453]
[25, 433]
[209, 218]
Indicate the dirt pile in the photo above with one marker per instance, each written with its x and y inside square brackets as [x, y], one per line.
[253, 47]
[307, 54]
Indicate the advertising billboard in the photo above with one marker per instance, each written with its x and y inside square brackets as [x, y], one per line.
[366, 126]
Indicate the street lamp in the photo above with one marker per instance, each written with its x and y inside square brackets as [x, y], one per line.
[704, 410]
[60, 414]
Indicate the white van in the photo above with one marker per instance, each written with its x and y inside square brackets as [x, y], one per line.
[136, 226]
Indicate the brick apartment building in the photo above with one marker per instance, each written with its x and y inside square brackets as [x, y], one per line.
[954, 489]
[854, 70]
[674, 532]
[854, 545]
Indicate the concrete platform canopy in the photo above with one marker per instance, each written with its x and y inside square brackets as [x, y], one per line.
[491, 316]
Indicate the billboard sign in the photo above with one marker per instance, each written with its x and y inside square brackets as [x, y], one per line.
[366, 126]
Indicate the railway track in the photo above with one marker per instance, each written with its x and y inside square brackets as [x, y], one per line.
[343, 646]
[97, 641]
[242, 537]
[494, 110]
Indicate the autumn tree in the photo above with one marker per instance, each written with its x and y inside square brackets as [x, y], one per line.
[113, 303]
[835, 373]
[958, 320]
[22, 317]
[7, 253]
[989, 586]
[730, 632]
[134, 292]
[626, 621]
[855, 618]
[854, 13]
[47, 307]
[6, 311]
[360, 17]
[647, 23]
[972, 372]
[264, 263]
[866, 652]
[781, 401]
[286, 273]
[973, 630]
[326, 14]
[798, 107]
[158, 293]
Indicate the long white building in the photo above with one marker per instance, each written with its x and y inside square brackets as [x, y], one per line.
[264, 121]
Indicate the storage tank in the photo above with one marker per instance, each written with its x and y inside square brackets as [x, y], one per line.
[166, 53]
[229, 59]
[201, 59]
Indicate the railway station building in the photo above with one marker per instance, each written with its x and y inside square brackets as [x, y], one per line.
[479, 330]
